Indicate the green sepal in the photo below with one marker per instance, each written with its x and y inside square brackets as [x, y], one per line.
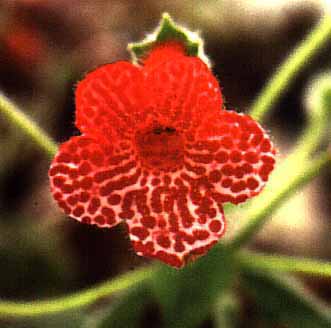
[168, 30]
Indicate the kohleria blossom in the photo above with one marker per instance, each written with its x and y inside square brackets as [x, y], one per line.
[159, 152]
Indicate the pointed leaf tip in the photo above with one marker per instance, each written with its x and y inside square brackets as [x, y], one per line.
[166, 31]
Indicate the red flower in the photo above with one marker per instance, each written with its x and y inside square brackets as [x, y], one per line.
[158, 152]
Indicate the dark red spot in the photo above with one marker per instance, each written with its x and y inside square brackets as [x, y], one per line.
[58, 169]
[222, 157]
[86, 220]
[94, 205]
[86, 183]
[227, 143]
[156, 199]
[215, 226]
[247, 168]
[220, 198]
[268, 159]
[148, 222]
[239, 199]
[252, 183]
[239, 172]
[139, 232]
[227, 182]
[100, 219]
[84, 196]
[166, 180]
[108, 212]
[257, 138]
[119, 184]
[170, 259]
[65, 207]
[202, 219]
[265, 146]
[264, 177]
[163, 241]
[67, 188]
[251, 157]
[243, 145]
[227, 170]
[201, 158]
[173, 222]
[72, 200]
[114, 199]
[156, 181]
[73, 173]
[238, 186]
[58, 182]
[201, 234]
[126, 214]
[58, 196]
[235, 156]
[143, 182]
[188, 238]
[266, 169]
[215, 176]
[78, 211]
[200, 250]
[161, 222]
[179, 246]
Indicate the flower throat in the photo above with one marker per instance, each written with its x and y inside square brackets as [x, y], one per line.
[160, 148]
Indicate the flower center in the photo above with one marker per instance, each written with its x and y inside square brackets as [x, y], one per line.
[160, 148]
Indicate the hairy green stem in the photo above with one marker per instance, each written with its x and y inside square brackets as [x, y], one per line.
[292, 65]
[76, 300]
[271, 199]
[284, 263]
[22, 121]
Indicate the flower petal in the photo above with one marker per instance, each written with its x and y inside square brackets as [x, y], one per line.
[108, 100]
[162, 52]
[175, 228]
[182, 92]
[233, 154]
[88, 180]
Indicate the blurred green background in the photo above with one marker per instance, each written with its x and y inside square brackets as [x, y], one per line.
[46, 46]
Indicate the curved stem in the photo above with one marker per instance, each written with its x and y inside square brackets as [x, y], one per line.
[292, 65]
[284, 263]
[76, 300]
[22, 121]
[272, 197]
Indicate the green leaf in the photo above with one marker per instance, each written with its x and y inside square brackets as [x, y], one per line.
[226, 310]
[187, 295]
[168, 30]
[126, 312]
[283, 300]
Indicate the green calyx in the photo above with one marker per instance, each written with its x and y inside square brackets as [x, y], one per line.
[168, 30]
